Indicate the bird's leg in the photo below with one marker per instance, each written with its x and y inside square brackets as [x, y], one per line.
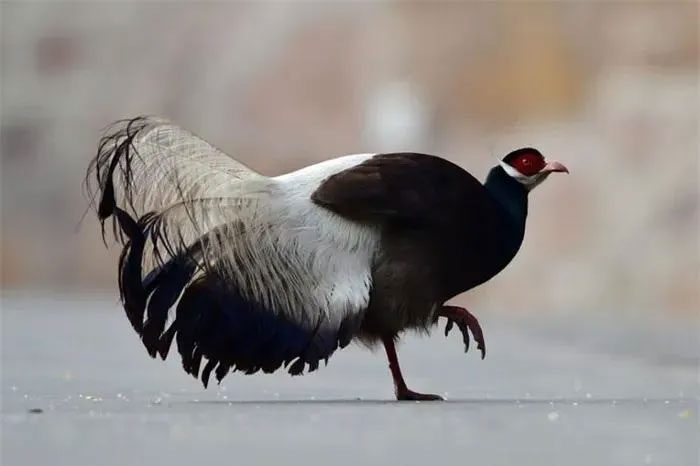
[402, 391]
[466, 322]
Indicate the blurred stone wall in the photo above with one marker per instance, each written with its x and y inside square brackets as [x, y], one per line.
[611, 89]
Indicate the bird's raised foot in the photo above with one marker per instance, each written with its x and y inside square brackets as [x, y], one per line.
[466, 322]
[410, 395]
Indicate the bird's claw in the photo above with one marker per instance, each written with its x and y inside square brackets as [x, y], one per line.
[448, 326]
[466, 322]
[465, 335]
[462, 328]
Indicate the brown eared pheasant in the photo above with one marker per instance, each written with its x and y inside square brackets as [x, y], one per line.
[268, 272]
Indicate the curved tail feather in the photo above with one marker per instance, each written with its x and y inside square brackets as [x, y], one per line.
[188, 218]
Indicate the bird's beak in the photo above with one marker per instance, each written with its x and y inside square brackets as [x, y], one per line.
[554, 166]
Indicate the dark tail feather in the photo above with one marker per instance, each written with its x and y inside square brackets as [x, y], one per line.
[108, 202]
[222, 370]
[130, 286]
[196, 362]
[207, 371]
[166, 340]
[171, 283]
[116, 149]
[188, 317]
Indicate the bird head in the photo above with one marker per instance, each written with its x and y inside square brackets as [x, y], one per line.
[529, 168]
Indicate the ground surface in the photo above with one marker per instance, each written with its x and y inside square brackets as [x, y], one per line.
[77, 389]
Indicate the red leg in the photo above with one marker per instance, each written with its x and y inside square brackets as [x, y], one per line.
[402, 391]
[466, 322]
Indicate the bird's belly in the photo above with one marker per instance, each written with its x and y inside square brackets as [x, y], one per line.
[402, 297]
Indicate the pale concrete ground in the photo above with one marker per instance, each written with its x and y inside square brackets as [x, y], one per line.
[555, 390]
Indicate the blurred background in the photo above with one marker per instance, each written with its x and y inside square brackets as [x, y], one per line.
[609, 88]
[601, 304]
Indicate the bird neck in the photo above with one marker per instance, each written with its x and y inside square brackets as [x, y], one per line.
[510, 195]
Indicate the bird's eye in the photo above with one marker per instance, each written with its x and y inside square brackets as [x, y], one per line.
[525, 161]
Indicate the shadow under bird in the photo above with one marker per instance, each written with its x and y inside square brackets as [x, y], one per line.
[270, 272]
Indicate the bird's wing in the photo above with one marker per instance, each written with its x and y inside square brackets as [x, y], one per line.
[441, 228]
[404, 189]
[259, 275]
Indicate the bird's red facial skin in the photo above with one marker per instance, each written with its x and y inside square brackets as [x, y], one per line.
[529, 164]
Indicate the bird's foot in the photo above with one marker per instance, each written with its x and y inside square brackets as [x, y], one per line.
[466, 322]
[410, 395]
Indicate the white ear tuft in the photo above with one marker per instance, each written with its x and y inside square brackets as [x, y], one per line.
[528, 181]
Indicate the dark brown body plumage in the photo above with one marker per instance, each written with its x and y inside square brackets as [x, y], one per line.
[443, 232]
